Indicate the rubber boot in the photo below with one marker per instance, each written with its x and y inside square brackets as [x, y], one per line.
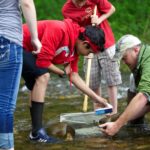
[139, 120]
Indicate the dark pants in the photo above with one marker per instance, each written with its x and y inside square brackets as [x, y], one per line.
[139, 120]
[30, 71]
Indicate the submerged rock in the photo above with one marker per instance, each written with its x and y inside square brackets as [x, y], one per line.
[61, 130]
[109, 118]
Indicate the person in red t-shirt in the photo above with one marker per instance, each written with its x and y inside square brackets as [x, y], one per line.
[81, 11]
[62, 43]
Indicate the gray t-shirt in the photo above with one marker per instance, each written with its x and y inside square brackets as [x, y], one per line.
[10, 20]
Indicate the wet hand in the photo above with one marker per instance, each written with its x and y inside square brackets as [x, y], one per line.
[109, 128]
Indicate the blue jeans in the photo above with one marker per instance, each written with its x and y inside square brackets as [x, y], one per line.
[10, 74]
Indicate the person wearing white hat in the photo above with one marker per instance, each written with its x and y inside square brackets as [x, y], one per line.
[137, 56]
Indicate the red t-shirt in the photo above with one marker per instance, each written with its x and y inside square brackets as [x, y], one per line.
[82, 16]
[58, 39]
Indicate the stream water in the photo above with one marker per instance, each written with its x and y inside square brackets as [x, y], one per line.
[61, 99]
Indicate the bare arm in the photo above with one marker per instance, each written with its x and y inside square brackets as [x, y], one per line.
[136, 108]
[56, 70]
[29, 13]
[97, 20]
[80, 84]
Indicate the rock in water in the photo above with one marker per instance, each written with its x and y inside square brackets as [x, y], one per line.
[109, 119]
[61, 130]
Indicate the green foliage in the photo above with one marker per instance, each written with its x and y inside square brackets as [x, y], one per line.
[49, 9]
[131, 17]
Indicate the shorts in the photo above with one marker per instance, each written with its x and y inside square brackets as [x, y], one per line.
[30, 71]
[103, 65]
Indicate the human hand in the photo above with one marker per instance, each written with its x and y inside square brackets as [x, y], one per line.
[94, 20]
[103, 110]
[109, 128]
[109, 105]
[36, 45]
[90, 56]
[97, 106]
[100, 105]
[68, 69]
[104, 102]
[64, 75]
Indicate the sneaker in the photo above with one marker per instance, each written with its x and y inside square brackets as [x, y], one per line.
[43, 137]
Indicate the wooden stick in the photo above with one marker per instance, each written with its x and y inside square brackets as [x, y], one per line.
[95, 10]
[85, 102]
[87, 81]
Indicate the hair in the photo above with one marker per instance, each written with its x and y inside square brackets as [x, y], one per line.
[95, 34]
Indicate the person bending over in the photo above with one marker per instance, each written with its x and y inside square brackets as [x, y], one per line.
[62, 43]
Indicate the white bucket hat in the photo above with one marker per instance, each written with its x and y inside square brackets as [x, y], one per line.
[125, 42]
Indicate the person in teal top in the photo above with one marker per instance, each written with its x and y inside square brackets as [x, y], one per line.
[137, 56]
